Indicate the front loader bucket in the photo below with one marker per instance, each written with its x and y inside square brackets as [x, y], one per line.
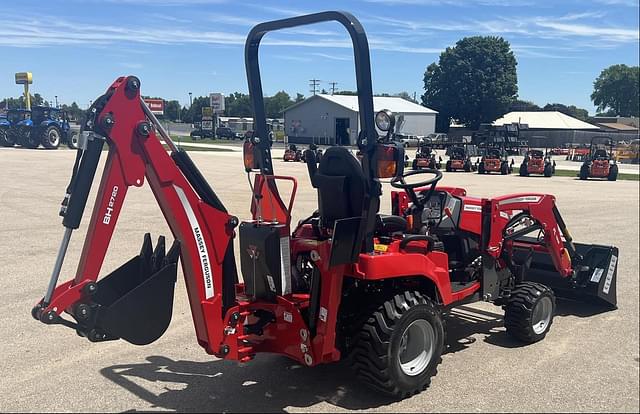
[135, 301]
[595, 281]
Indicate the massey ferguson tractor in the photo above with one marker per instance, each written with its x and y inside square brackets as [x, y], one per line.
[459, 160]
[495, 160]
[292, 153]
[537, 162]
[600, 163]
[426, 156]
[348, 282]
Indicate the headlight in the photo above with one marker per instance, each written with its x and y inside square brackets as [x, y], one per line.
[385, 120]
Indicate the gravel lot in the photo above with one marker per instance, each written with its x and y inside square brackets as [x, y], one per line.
[588, 362]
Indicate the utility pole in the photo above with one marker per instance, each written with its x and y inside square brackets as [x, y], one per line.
[56, 96]
[333, 87]
[313, 84]
[189, 99]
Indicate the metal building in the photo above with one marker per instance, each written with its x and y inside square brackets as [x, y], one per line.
[333, 119]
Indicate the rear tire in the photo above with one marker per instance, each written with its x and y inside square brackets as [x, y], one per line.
[414, 165]
[400, 345]
[481, 168]
[30, 140]
[528, 314]
[467, 166]
[50, 138]
[504, 168]
[613, 173]
[448, 166]
[6, 139]
[523, 170]
[548, 170]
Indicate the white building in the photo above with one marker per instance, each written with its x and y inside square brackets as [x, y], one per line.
[333, 119]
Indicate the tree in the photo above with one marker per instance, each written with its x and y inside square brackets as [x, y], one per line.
[474, 82]
[618, 89]
[194, 113]
[299, 97]
[406, 96]
[73, 111]
[523, 106]
[571, 110]
[19, 102]
[275, 105]
[172, 110]
[237, 104]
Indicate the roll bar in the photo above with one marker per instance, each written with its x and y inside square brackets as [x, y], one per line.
[368, 135]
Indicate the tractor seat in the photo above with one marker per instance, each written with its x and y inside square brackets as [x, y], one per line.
[387, 224]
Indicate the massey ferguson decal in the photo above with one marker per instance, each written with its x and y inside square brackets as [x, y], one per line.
[112, 201]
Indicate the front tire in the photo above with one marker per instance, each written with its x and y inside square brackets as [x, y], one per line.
[528, 314]
[29, 140]
[448, 166]
[524, 170]
[414, 165]
[400, 345]
[584, 172]
[548, 170]
[613, 173]
[481, 168]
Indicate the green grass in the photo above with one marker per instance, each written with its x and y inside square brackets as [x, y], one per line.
[621, 176]
[188, 148]
[182, 138]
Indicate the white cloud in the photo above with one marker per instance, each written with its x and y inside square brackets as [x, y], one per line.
[332, 57]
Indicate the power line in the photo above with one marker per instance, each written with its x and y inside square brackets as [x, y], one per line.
[333, 87]
[313, 84]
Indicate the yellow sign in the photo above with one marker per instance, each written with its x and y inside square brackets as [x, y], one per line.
[24, 78]
[380, 248]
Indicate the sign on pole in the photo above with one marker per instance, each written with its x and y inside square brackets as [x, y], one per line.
[216, 101]
[207, 118]
[155, 105]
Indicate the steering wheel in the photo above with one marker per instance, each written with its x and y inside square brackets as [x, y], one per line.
[399, 182]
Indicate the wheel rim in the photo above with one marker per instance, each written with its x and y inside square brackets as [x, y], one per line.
[542, 315]
[416, 347]
[53, 137]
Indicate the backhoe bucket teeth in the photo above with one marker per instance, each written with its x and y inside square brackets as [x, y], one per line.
[596, 273]
[135, 301]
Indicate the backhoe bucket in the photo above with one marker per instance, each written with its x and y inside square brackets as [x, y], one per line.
[135, 301]
[595, 281]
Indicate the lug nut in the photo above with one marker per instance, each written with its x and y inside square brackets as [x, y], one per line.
[133, 84]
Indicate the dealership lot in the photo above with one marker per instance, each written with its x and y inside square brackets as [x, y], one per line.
[588, 362]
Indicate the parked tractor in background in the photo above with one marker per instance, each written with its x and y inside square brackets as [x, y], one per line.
[537, 162]
[4, 129]
[316, 151]
[292, 153]
[628, 152]
[426, 156]
[495, 160]
[459, 160]
[19, 130]
[51, 127]
[600, 163]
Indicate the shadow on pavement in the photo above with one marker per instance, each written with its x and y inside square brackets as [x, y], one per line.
[269, 383]
[272, 383]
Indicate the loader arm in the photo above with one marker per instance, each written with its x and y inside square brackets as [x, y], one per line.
[515, 216]
[198, 220]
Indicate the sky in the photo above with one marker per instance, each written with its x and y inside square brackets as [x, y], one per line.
[77, 48]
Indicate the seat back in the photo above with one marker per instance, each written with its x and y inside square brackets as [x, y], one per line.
[341, 185]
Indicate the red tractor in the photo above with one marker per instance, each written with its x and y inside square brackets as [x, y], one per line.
[348, 282]
[600, 163]
[495, 160]
[292, 153]
[459, 160]
[537, 162]
[426, 156]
